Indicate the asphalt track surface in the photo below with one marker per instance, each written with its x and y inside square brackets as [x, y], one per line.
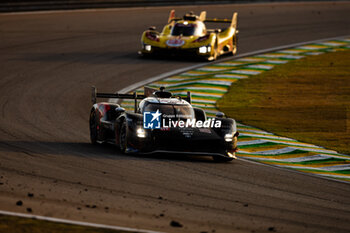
[48, 62]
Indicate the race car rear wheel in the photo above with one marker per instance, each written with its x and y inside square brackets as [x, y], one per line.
[234, 42]
[122, 137]
[93, 128]
[214, 56]
[215, 49]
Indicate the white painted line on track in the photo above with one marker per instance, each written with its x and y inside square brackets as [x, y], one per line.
[233, 76]
[66, 221]
[276, 61]
[306, 158]
[263, 67]
[264, 135]
[269, 152]
[260, 141]
[249, 72]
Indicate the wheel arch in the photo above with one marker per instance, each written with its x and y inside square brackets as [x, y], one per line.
[117, 125]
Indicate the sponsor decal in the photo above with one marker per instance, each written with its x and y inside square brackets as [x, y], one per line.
[152, 36]
[202, 38]
[175, 42]
[210, 123]
[152, 120]
[187, 132]
[204, 130]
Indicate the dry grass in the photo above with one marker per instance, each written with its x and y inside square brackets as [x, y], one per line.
[11, 224]
[306, 99]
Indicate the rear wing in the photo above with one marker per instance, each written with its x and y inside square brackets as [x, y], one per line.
[232, 21]
[190, 16]
[154, 92]
[147, 92]
[134, 96]
[202, 17]
[171, 16]
[96, 95]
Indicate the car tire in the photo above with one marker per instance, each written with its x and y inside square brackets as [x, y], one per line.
[234, 42]
[214, 56]
[145, 55]
[123, 137]
[93, 128]
[215, 48]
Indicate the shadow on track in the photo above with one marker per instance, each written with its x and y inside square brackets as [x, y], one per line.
[112, 57]
[82, 149]
[105, 58]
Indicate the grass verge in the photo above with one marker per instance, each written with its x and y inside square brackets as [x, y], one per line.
[306, 99]
[11, 224]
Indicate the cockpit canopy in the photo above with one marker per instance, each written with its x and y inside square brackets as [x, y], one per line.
[188, 28]
[169, 108]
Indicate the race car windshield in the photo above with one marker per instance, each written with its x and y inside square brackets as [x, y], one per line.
[172, 111]
[184, 30]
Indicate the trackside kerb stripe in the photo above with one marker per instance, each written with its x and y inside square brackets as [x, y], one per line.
[210, 82]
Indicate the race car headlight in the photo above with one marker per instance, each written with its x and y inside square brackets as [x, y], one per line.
[148, 47]
[228, 137]
[141, 133]
[203, 49]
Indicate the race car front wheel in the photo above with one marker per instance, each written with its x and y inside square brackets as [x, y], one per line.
[93, 128]
[122, 138]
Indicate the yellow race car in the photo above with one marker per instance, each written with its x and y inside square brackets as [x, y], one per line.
[189, 36]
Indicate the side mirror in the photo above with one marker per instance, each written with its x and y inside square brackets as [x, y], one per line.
[152, 28]
[220, 115]
[119, 110]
